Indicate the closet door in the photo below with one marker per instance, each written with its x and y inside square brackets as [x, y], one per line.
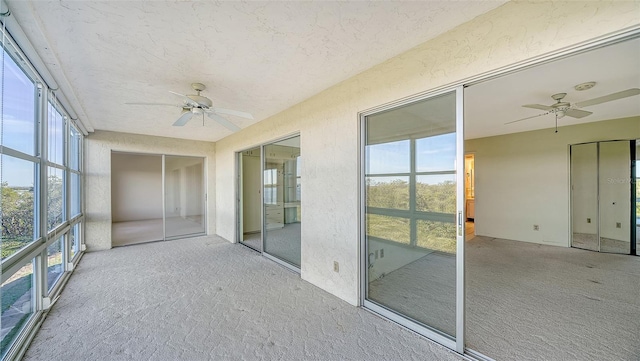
[615, 194]
[584, 196]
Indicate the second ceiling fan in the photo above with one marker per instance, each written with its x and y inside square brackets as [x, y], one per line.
[561, 108]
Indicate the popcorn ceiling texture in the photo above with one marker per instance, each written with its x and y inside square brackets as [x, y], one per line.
[206, 299]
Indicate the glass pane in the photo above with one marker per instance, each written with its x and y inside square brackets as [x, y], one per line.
[387, 158]
[615, 189]
[54, 262]
[75, 146]
[251, 207]
[74, 240]
[436, 193]
[17, 305]
[389, 228]
[282, 210]
[18, 204]
[388, 192]
[584, 195]
[437, 236]
[56, 135]
[184, 195]
[75, 194]
[55, 198]
[411, 246]
[18, 108]
[436, 153]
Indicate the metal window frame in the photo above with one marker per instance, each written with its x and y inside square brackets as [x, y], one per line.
[453, 342]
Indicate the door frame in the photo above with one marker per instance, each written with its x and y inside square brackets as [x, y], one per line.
[453, 342]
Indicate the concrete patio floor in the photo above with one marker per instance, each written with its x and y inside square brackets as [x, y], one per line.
[206, 299]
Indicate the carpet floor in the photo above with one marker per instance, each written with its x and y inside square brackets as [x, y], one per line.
[527, 301]
[206, 299]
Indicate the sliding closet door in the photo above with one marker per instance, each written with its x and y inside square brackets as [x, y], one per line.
[281, 197]
[412, 196]
[584, 196]
[184, 202]
[615, 195]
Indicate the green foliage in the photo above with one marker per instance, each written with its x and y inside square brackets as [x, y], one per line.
[17, 212]
[436, 198]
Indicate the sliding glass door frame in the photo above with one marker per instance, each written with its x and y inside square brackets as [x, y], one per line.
[455, 343]
[238, 189]
[264, 224]
[239, 184]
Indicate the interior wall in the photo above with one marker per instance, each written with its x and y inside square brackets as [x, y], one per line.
[136, 187]
[522, 179]
[328, 121]
[99, 146]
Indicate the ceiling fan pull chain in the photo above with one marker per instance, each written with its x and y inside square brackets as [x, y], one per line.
[556, 122]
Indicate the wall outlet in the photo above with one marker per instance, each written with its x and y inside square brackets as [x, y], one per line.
[588, 220]
[618, 225]
[336, 266]
[536, 227]
[381, 252]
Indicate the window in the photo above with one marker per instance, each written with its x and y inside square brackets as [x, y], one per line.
[271, 186]
[41, 159]
[17, 304]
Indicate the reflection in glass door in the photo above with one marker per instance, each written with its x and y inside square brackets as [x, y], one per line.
[281, 183]
[413, 200]
[184, 202]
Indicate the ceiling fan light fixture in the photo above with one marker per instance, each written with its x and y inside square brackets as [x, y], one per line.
[585, 86]
[197, 111]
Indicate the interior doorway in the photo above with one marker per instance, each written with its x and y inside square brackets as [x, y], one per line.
[249, 199]
[470, 195]
[136, 198]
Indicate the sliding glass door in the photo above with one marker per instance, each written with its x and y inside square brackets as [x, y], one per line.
[184, 203]
[413, 231]
[281, 200]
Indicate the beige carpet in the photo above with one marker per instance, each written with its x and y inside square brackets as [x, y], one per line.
[207, 299]
[527, 301]
[134, 232]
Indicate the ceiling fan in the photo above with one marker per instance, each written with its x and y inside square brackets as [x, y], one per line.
[561, 108]
[198, 104]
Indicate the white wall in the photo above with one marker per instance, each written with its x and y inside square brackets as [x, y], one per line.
[98, 176]
[523, 179]
[136, 187]
[328, 122]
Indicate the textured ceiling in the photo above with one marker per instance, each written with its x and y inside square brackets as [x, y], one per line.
[257, 57]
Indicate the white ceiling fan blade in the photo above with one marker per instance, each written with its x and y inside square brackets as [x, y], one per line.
[184, 118]
[575, 113]
[608, 98]
[167, 104]
[233, 112]
[538, 106]
[186, 99]
[223, 121]
[535, 116]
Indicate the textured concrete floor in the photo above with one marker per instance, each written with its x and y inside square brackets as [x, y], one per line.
[206, 299]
